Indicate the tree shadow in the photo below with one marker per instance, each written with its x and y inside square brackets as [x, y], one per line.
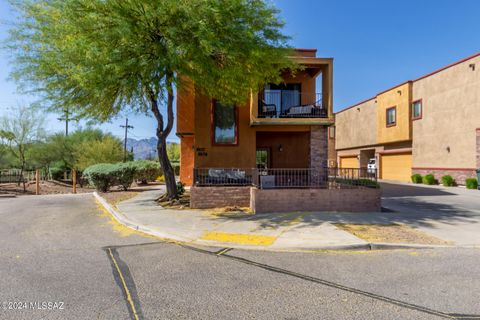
[418, 213]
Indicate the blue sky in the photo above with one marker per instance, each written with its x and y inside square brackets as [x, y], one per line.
[375, 43]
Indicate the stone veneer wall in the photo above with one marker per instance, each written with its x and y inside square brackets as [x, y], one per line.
[288, 200]
[318, 152]
[458, 175]
[215, 197]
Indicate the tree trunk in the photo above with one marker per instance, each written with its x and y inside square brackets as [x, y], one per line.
[162, 134]
[167, 167]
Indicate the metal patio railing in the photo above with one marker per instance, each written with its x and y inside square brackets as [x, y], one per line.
[276, 178]
[290, 104]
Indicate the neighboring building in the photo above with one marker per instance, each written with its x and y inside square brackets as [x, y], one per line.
[428, 125]
[270, 154]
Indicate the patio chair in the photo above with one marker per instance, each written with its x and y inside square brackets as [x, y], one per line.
[268, 110]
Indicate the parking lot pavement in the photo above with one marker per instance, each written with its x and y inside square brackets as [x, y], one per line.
[449, 213]
[64, 249]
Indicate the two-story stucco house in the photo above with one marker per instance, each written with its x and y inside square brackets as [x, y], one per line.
[277, 140]
[427, 125]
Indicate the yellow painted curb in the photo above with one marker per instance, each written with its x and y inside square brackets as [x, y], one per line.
[239, 238]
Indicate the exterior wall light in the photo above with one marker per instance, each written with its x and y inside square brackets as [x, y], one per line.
[472, 66]
[448, 149]
[280, 148]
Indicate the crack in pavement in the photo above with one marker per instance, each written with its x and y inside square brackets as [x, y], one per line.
[222, 253]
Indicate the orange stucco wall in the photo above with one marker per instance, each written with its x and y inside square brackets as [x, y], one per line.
[187, 156]
[185, 105]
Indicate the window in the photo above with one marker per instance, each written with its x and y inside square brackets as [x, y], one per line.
[391, 116]
[417, 110]
[262, 158]
[225, 126]
[331, 132]
[283, 96]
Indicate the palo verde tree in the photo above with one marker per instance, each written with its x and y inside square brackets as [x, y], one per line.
[19, 130]
[100, 57]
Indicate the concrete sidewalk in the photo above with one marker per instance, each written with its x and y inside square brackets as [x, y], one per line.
[291, 231]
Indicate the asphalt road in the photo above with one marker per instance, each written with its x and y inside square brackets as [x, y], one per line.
[63, 249]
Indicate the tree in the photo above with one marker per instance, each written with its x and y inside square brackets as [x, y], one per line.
[173, 151]
[99, 57]
[107, 150]
[20, 129]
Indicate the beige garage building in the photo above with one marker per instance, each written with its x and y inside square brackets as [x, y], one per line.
[427, 125]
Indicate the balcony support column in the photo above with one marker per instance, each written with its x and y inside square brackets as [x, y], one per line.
[319, 151]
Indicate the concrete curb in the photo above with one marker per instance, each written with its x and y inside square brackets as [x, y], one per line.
[122, 219]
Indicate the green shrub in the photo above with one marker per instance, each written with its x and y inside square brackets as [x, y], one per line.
[448, 181]
[471, 183]
[102, 176]
[57, 173]
[180, 188]
[429, 179]
[358, 182]
[146, 170]
[125, 173]
[176, 167]
[417, 178]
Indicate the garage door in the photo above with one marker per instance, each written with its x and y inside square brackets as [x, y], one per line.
[348, 162]
[396, 167]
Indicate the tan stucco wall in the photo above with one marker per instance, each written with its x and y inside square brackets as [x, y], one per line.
[356, 126]
[399, 97]
[451, 113]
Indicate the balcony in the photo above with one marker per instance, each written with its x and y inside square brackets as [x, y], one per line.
[290, 104]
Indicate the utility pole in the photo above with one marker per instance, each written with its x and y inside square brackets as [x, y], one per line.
[126, 126]
[66, 118]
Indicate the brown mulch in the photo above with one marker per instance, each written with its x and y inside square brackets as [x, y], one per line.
[183, 202]
[46, 187]
[391, 233]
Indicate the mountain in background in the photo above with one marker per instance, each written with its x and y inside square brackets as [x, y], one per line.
[144, 148]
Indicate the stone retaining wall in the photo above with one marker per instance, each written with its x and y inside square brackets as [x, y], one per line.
[215, 197]
[288, 200]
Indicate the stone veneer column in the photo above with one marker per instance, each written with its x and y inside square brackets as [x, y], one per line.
[319, 149]
[478, 148]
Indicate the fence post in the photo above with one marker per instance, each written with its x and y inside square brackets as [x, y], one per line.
[37, 182]
[74, 180]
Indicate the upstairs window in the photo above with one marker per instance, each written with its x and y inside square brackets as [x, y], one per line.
[391, 116]
[224, 124]
[417, 109]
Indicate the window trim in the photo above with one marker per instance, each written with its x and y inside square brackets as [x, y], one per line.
[212, 127]
[421, 109]
[386, 117]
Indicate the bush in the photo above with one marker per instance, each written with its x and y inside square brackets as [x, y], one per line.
[125, 173]
[160, 178]
[176, 167]
[102, 176]
[146, 170]
[180, 188]
[57, 173]
[471, 183]
[429, 179]
[417, 178]
[448, 181]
